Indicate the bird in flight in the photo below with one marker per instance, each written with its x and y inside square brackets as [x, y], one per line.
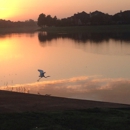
[42, 74]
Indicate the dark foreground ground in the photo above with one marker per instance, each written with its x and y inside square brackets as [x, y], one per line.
[21, 102]
[20, 111]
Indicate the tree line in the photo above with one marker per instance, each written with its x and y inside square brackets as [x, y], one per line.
[8, 23]
[83, 18]
[78, 19]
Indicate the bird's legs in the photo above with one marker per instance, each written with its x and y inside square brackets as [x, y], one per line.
[39, 79]
[46, 76]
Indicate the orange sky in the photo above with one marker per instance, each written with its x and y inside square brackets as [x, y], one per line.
[30, 9]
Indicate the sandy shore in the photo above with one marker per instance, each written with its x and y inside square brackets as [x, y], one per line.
[21, 102]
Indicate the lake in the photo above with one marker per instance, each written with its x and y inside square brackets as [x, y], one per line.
[90, 66]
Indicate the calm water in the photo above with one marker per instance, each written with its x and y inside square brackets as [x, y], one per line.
[83, 66]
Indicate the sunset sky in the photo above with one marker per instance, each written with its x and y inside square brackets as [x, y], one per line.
[30, 9]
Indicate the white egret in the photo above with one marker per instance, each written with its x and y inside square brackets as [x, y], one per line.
[42, 74]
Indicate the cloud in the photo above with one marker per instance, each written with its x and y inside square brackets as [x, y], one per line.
[91, 87]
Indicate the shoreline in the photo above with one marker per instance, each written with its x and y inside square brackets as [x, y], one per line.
[70, 29]
[13, 102]
[89, 29]
[27, 29]
[36, 112]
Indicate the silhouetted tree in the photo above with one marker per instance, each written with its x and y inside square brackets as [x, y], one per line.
[99, 18]
[41, 20]
[79, 19]
[54, 21]
[49, 20]
[122, 17]
[8, 23]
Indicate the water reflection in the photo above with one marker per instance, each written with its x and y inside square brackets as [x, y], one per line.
[11, 35]
[87, 87]
[85, 66]
[99, 43]
[85, 37]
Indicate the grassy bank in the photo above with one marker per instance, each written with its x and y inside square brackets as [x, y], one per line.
[20, 111]
[74, 29]
[89, 119]
[88, 29]
[18, 30]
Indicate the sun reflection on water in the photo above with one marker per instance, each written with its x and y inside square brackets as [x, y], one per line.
[93, 88]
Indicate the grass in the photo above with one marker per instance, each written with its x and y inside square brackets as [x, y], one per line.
[72, 29]
[89, 29]
[89, 119]
[18, 30]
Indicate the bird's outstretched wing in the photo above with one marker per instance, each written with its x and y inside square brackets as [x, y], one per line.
[41, 71]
